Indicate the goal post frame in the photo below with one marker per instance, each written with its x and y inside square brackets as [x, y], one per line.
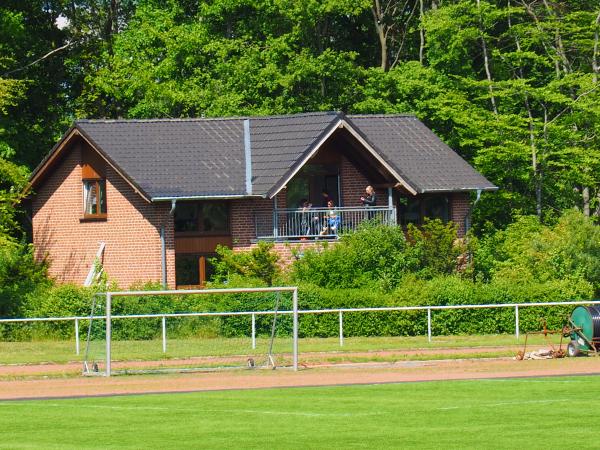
[109, 296]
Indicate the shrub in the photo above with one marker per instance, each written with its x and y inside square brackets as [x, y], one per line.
[373, 253]
[568, 250]
[260, 262]
[19, 275]
[436, 246]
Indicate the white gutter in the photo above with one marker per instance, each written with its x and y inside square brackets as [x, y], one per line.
[426, 191]
[205, 197]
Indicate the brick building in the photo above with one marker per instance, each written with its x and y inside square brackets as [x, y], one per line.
[153, 198]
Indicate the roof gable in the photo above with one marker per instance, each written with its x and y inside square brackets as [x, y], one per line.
[280, 145]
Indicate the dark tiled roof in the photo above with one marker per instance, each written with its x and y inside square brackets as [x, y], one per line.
[423, 160]
[175, 158]
[206, 157]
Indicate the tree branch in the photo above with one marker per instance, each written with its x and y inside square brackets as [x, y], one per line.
[46, 56]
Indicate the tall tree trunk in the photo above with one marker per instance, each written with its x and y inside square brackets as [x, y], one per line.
[595, 66]
[531, 126]
[552, 53]
[559, 46]
[486, 60]
[595, 71]
[381, 33]
[539, 175]
[421, 32]
[585, 194]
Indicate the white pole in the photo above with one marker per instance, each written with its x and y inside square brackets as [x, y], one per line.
[253, 331]
[341, 329]
[164, 334]
[295, 344]
[517, 321]
[429, 324]
[76, 336]
[108, 332]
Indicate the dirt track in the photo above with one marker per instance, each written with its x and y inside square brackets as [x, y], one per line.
[408, 371]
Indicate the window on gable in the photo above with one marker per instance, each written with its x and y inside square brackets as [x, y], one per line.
[94, 198]
[93, 178]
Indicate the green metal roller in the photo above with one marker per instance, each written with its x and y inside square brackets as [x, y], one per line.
[585, 332]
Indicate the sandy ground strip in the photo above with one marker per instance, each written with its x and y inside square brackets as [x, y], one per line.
[408, 371]
[310, 358]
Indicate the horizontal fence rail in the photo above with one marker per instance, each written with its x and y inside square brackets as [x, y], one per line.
[253, 314]
[311, 223]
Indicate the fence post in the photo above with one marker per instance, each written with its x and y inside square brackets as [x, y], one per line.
[429, 324]
[295, 328]
[76, 336]
[253, 331]
[108, 332]
[517, 321]
[341, 329]
[164, 334]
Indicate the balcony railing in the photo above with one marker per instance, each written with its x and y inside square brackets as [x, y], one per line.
[317, 223]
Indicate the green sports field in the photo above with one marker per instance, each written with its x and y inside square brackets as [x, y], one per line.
[517, 413]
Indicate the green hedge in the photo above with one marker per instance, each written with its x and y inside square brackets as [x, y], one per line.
[449, 290]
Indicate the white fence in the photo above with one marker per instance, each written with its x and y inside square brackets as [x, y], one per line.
[339, 311]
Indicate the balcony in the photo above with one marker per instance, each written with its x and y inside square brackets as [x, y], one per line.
[316, 223]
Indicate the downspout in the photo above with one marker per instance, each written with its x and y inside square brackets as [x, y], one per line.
[248, 156]
[164, 246]
[393, 219]
[468, 216]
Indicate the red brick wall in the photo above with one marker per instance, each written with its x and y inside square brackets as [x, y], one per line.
[353, 184]
[286, 250]
[131, 231]
[459, 208]
[242, 219]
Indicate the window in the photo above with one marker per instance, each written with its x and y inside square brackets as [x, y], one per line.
[94, 198]
[309, 184]
[193, 269]
[205, 218]
[436, 208]
[414, 210]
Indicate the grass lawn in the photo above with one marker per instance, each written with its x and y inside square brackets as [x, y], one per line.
[63, 351]
[519, 413]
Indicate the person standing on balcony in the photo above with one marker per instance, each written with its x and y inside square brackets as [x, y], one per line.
[305, 218]
[368, 200]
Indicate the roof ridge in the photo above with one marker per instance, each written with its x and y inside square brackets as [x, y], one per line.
[181, 119]
[384, 115]
[210, 119]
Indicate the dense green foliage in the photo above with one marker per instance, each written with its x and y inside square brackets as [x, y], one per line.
[512, 86]
[19, 276]
[568, 250]
[381, 255]
[373, 267]
[446, 290]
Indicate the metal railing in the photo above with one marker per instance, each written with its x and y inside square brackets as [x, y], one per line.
[312, 223]
[339, 311]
